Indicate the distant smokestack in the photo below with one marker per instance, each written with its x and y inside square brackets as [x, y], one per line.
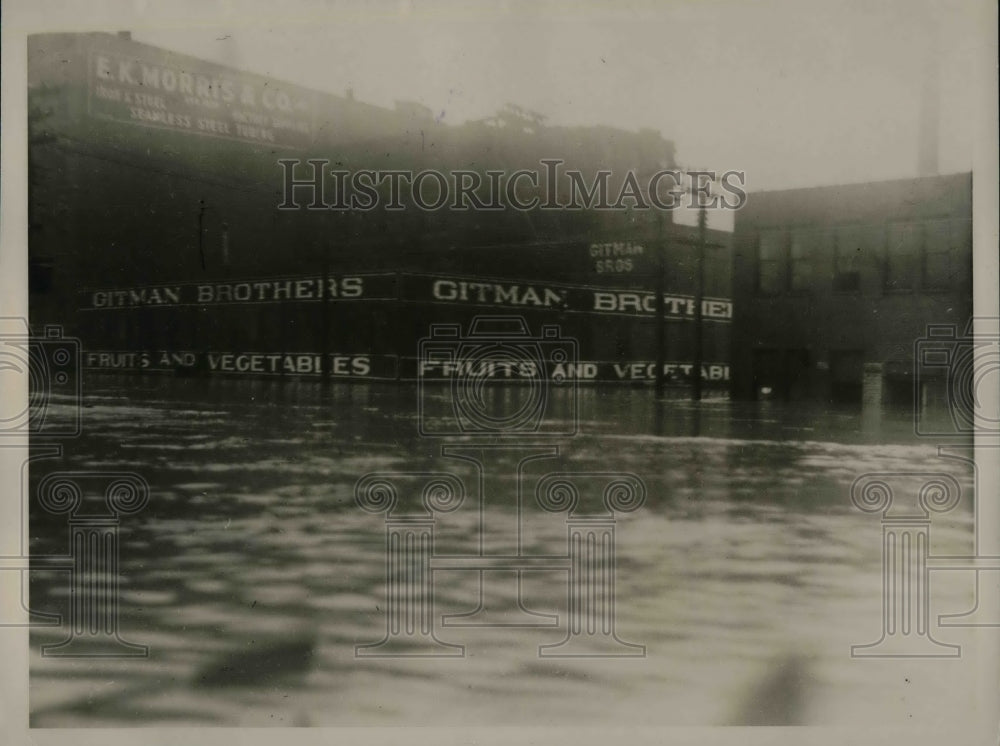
[930, 109]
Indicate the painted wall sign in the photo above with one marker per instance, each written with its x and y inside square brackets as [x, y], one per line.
[269, 290]
[581, 371]
[616, 257]
[258, 364]
[559, 297]
[209, 101]
[389, 367]
[468, 291]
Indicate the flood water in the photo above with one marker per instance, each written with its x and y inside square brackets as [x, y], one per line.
[252, 574]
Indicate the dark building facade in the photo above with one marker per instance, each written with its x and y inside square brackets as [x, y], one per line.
[836, 287]
[157, 239]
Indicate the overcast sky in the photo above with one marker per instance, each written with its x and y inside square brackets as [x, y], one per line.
[794, 92]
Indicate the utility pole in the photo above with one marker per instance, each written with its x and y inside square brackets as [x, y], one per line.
[699, 292]
[201, 232]
[325, 364]
[660, 285]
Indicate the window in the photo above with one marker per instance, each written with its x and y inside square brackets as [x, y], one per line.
[938, 242]
[902, 253]
[852, 243]
[805, 246]
[224, 245]
[770, 263]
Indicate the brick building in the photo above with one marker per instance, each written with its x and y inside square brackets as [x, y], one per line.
[833, 286]
[157, 238]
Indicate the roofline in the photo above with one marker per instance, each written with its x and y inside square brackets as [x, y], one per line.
[885, 182]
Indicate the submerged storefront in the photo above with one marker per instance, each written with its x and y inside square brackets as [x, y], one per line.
[161, 239]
